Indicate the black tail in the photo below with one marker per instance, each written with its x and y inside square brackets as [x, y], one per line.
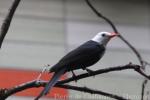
[51, 83]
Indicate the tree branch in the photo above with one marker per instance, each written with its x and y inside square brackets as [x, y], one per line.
[4, 93]
[6, 24]
[35, 84]
[106, 70]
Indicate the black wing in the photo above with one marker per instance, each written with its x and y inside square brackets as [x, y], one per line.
[83, 56]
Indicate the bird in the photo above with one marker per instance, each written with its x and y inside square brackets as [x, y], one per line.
[82, 57]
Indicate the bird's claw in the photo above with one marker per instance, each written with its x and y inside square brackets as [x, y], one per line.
[89, 71]
[74, 75]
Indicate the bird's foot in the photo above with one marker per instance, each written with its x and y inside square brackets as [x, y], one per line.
[43, 70]
[74, 75]
[89, 71]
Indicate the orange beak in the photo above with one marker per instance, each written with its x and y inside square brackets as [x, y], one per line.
[113, 34]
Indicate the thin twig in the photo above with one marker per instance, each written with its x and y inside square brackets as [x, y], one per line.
[91, 91]
[7, 21]
[143, 89]
[116, 31]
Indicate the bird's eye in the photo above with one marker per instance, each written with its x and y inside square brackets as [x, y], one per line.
[103, 35]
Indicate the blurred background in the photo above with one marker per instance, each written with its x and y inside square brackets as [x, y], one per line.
[43, 31]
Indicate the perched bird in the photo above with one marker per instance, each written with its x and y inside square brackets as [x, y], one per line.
[80, 58]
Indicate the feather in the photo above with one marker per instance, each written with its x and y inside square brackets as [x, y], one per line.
[51, 83]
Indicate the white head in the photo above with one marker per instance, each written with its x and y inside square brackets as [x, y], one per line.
[103, 37]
